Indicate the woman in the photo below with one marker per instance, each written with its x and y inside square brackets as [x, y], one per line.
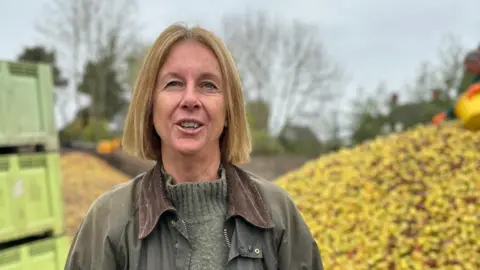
[195, 209]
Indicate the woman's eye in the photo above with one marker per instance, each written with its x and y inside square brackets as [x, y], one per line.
[173, 84]
[210, 85]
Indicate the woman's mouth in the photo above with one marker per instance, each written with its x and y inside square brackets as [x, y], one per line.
[190, 124]
[189, 127]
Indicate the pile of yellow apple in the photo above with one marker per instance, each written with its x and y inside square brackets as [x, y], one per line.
[406, 201]
[84, 179]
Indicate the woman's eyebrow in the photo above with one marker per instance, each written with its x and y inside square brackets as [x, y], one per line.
[210, 75]
[169, 74]
[203, 75]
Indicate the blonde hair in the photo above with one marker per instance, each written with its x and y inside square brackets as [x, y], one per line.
[140, 138]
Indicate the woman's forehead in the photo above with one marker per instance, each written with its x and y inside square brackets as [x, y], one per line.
[186, 58]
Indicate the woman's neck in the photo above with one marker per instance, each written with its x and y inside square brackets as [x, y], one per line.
[194, 168]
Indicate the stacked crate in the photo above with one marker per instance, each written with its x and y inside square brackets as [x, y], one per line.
[32, 233]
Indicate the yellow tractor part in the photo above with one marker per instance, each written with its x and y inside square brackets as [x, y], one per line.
[116, 143]
[467, 108]
[104, 147]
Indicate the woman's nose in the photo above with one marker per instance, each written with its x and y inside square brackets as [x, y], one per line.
[190, 98]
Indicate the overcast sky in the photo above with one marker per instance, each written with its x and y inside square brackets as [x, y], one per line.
[373, 40]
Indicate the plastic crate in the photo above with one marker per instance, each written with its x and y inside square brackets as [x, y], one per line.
[30, 196]
[27, 105]
[45, 254]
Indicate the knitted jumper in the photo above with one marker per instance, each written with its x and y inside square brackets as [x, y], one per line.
[202, 206]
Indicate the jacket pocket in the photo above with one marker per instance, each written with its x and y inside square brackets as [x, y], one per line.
[246, 258]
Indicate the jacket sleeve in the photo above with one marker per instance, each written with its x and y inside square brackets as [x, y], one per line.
[298, 249]
[93, 247]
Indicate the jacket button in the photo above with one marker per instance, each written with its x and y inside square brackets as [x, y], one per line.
[257, 251]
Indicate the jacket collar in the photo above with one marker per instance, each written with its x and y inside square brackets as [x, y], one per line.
[244, 199]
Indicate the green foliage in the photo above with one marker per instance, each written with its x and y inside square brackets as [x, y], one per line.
[334, 140]
[101, 84]
[258, 112]
[367, 119]
[304, 144]
[306, 148]
[412, 114]
[96, 130]
[265, 145]
[367, 127]
[39, 54]
[135, 61]
[90, 131]
[332, 145]
[299, 140]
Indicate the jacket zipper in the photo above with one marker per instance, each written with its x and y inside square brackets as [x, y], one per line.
[185, 226]
[226, 237]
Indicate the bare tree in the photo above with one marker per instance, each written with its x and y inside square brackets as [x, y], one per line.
[423, 82]
[450, 68]
[444, 74]
[283, 63]
[90, 30]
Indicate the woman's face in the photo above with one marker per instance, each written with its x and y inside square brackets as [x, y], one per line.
[189, 106]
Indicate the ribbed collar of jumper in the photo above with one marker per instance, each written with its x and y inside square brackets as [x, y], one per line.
[198, 201]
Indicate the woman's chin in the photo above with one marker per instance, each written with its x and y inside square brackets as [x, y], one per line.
[189, 147]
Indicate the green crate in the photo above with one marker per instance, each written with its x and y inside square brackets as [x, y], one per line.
[30, 196]
[27, 105]
[45, 254]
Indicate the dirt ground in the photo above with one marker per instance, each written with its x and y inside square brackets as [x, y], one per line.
[84, 179]
[272, 167]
